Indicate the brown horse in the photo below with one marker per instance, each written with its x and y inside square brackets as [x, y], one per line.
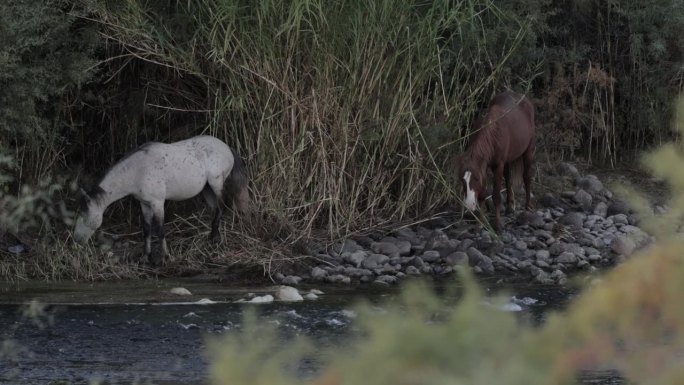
[504, 138]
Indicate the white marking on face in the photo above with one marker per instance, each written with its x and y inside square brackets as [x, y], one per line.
[470, 202]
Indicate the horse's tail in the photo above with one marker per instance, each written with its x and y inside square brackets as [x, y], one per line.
[517, 168]
[237, 188]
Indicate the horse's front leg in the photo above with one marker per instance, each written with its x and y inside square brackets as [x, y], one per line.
[147, 217]
[498, 171]
[158, 224]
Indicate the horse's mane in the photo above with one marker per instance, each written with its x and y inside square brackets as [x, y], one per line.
[96, 193]
[143, 148]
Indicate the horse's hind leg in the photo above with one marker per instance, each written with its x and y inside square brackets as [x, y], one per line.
[214, 203]
[528, 162]
[158, 224]
[510, 197]
[496, 195]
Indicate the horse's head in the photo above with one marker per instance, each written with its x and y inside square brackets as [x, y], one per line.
[89, 217]
[473, 182]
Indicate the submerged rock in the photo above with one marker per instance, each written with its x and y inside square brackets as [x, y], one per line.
[288, 294]
[180, 291]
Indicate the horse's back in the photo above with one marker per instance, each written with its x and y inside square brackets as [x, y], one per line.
[514, 117]
[180, 170]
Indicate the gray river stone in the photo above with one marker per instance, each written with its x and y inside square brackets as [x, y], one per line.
[583, 198]
[620, 219]
[292, 280]
[574, 219]
[387, 248]
[356, 258]
[479, 260]
[431, 256]
[318, 273]
[385, 280]
[601, 209]
[590, 184]
[567, 258]
[456, 258]
[617, 207]
[623, 245]
[357, 272]
[412, 270]
[374, 261]
[338, 278]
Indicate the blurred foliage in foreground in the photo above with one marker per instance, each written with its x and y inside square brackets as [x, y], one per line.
[631, 320]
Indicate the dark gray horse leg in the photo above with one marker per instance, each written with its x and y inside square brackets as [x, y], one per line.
[510, 198]
[147, 216]
[214, 204]
[158, 227]
[528, 163]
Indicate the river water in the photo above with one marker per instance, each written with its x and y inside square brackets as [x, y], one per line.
[132, 332]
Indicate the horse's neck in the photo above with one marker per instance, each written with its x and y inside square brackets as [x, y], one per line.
[484, 145]
[116, 185]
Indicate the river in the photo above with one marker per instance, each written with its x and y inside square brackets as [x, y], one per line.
[132, 332]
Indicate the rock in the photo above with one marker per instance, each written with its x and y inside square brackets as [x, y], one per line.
[412, 270]
[386, 279]
[601, 209]
[549, 200]
[288, 294]
[542, 263]
[356, 258]
[590, 184]
[530, 218]
[622, 245]
[479, 260]
[406, 233]
[456, 258]
[338, 278]
[557, 248]
[583, 198]
[180, 291]
[567, 169]
[404, 247]
[465, 244]
[617, 207]
[310, 297]
[291, 280]
[417, 262]
[521, 245]
[543, 278]
[375, 261]
[357, 272]
[567, 258]
[262, 299]
[387, 248]
[584, 265]
[431, 256]
[543, 255]
[364, 240]
[349, 246]
[574, 248]
[620, 219]
[573, 219]
[558, 276]
[318, 274]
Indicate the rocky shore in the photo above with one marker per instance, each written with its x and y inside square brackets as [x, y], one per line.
[580, 227]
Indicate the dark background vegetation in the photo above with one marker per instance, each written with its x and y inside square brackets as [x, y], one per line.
[347, 113]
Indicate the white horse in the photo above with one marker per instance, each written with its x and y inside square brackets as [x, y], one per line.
[157, 172]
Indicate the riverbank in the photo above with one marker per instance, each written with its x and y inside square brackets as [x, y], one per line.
[578, 226]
